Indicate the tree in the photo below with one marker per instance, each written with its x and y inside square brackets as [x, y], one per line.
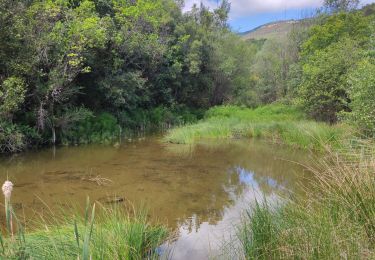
[333, 28]
[12, 95]
[231, 69]
[341, 5]
[362, 92]
[59, 37]
[64, 62]
[323, 90]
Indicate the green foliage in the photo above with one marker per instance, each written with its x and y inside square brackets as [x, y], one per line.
[334, 219]
[258, 232]
[279, 124]
[323, 90]
[12, 95]
[102, 233]
[274, 112]
[145, 62]
[122, 90]
[161, 118]
[362, 93]
[15, 138]
[140, 61]
[232, 62]
[341, 5]
[334, 28]
[275, 69]
[328, 55]
[11, 138]
[271, 68]
[102, 128]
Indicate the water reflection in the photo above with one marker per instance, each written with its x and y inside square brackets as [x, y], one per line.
[199, 239]
[198, 191]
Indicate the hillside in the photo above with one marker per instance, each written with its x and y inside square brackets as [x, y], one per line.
[271, 30]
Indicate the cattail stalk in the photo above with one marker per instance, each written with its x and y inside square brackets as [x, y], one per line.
[7, 191]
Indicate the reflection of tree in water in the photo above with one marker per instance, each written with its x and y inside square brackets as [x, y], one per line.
[191, 224]
[258, 168]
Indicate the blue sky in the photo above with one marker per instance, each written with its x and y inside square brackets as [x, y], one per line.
[248, 14]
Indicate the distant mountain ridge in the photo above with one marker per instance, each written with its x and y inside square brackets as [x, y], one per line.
[271, 30]
[279, 29]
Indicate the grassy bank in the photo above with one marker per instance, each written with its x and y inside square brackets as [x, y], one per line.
[115, 233]
[275, 123]
[335, 221]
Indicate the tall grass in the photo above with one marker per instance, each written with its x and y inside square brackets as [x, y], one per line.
[107, 233]
[336, 220]
[275, 123]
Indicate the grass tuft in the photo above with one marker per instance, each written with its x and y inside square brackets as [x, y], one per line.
[334, 221]
[114, 233]
[276, 123]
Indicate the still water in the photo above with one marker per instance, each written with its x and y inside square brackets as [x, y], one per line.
[200, 192]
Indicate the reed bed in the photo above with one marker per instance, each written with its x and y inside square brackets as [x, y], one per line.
[335, 220]
[101, 233]
[279, 124]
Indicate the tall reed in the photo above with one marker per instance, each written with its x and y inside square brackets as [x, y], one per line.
[334, 220]
[118, 232]
[274, 123]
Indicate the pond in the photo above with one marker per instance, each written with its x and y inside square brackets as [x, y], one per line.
[199, 191]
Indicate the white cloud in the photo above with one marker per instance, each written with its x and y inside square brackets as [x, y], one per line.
[246, 7]
[242, 8]
[189, 4]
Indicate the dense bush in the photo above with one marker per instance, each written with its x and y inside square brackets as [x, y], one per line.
[362, 93]
[102, 128]
[140, 61]
[159, 118]
[330, 52]
[12, 94]
[15, 138]
[323, 91]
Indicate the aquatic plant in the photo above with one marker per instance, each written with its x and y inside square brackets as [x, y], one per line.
[118, 232]
[279, 124]
[335, 219]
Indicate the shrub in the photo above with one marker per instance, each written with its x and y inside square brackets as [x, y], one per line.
[12, 140]
[158, 118]
[323, 92]
[16, 138]
[102, 128]
[12, 94]
[362, 93]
